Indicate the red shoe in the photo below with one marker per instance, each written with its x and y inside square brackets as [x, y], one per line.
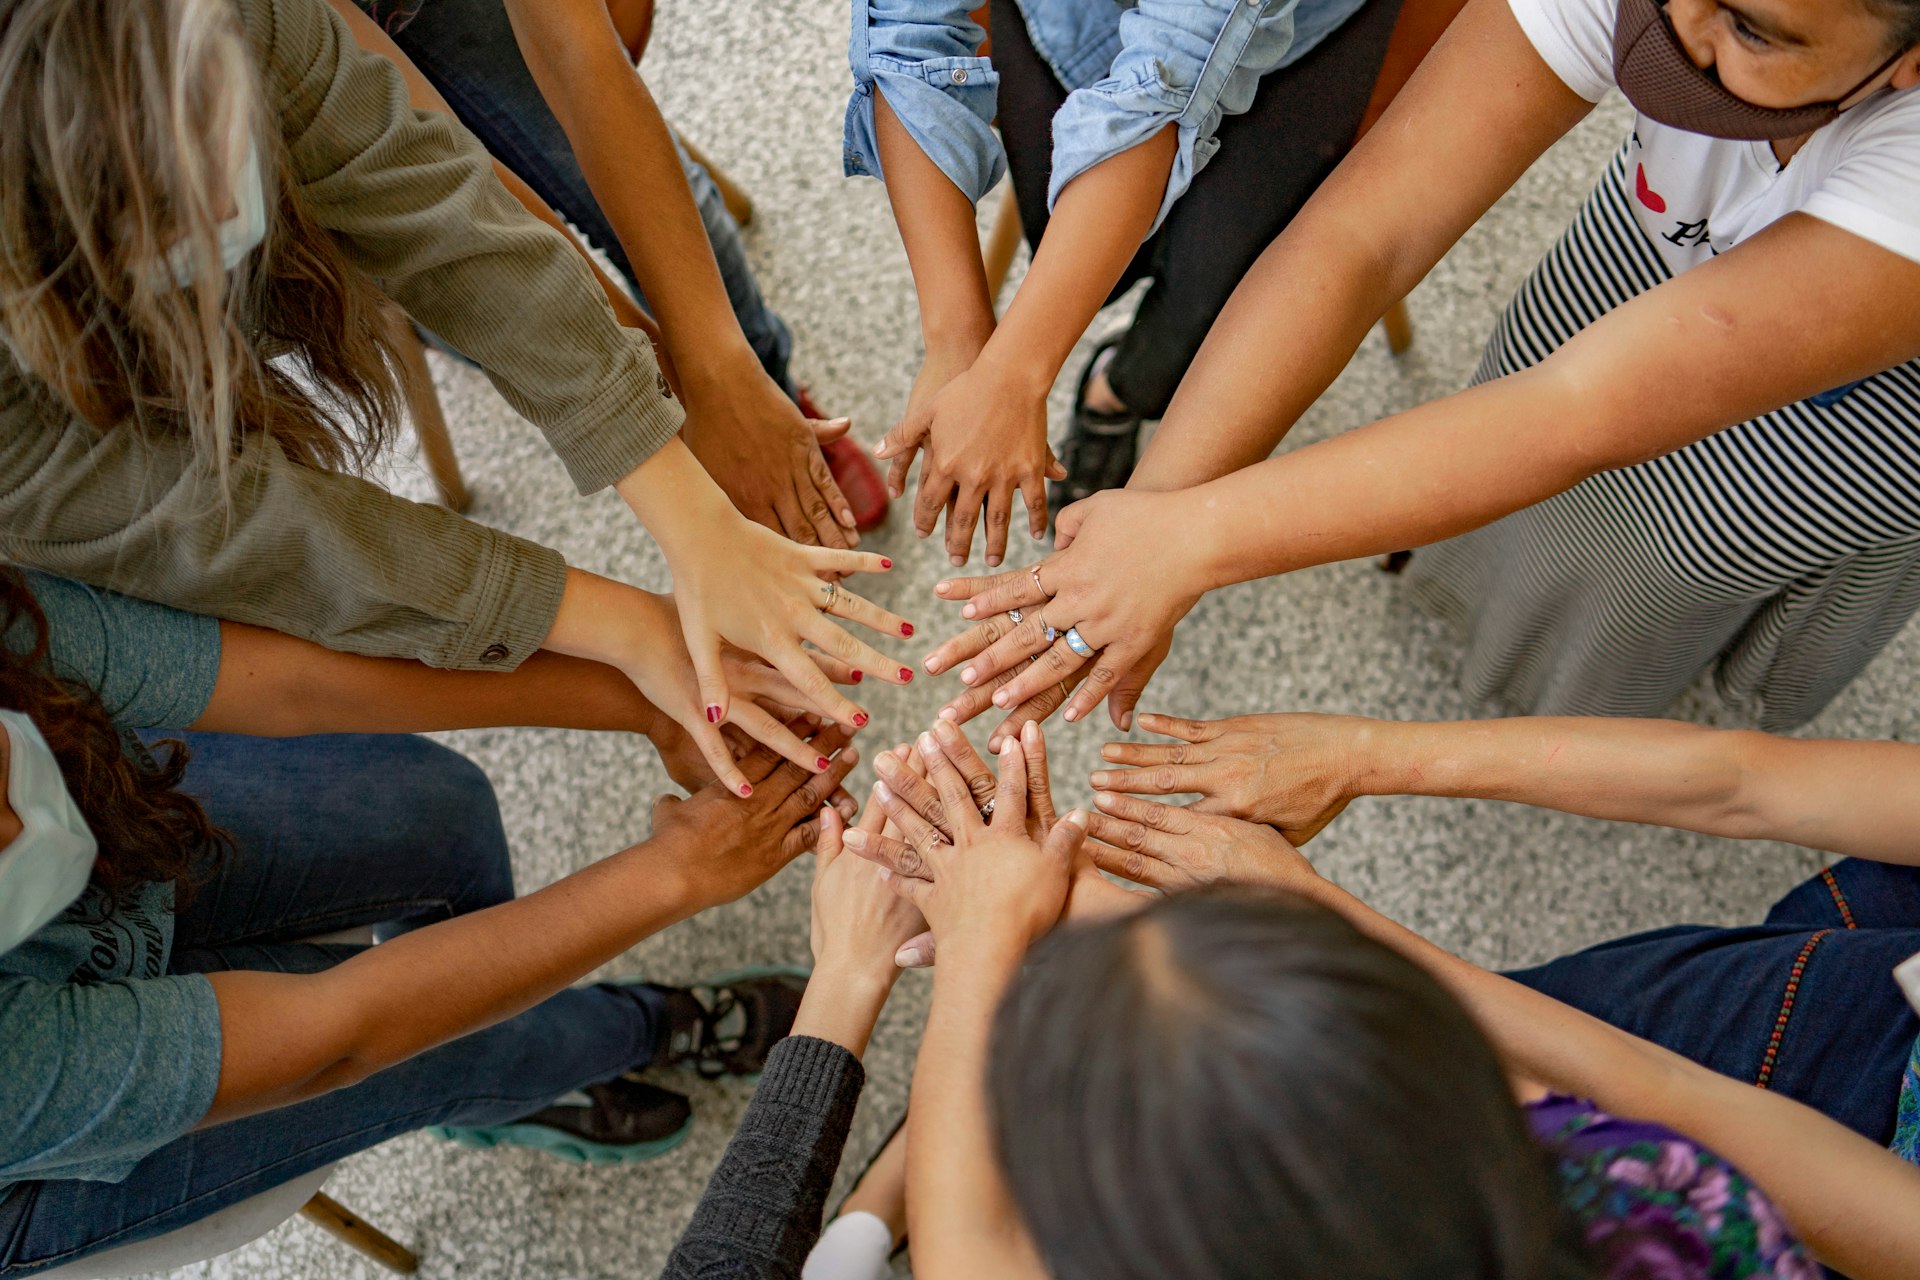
[854, 471]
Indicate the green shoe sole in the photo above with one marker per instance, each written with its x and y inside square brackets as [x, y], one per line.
[565, 1146]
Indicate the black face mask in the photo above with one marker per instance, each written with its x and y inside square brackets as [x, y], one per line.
[1652, 68]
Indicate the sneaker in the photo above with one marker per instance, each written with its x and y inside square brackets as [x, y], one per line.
[857, 474]
[1100, 447]
[623, 1121]
[728, 1026]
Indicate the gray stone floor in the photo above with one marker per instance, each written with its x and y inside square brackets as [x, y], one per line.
[761, 88]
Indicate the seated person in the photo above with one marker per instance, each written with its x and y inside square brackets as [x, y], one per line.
[176, 1033]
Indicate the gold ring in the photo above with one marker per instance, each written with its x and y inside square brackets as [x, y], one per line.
[833, 594]
[1035, 573]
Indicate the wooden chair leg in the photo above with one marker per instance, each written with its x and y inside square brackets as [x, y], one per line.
[737, 201]
[330, 1215]
[1399, 328]
[1003, 242]
[430, 421]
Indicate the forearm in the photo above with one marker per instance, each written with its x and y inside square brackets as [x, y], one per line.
[962, 1221]
[276, 685]
[843, 1003]
[286, 1037]
[936, 222]
[1851, 1201]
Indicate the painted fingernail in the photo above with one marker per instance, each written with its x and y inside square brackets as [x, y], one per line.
[909, 957]
[821, 764]
[713, 713]
[745, 790]
[966, 611]
[858, 676]
[966, 675]
[883, 793]
[906, 628]
[855, 839]
[859, 719]
[906, 675]
[885, 563]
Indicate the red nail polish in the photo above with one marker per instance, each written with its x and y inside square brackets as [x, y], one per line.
[906, 675]
[713, 713]
[745, 790]
[906, 628]
[821, 764]
[885, 563]
[859, 719]
[858, 676]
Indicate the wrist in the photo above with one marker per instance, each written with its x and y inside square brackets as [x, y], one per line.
[675, 498]
[956, 338]
[1018, 363]
[843, 1001]
[1385, 759]
[718, 369]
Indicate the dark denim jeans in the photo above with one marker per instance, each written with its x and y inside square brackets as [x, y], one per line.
[1718, 996]
[335, 832]
[466, 48]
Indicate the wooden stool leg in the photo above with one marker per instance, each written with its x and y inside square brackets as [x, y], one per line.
[1399, 328]
[1003, 242]
[737, 202]
[429, 421]
[329, 1215]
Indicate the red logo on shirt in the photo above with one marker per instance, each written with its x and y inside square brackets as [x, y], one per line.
[1648, 196]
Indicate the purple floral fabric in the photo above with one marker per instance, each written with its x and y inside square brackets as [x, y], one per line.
[1654, 1206]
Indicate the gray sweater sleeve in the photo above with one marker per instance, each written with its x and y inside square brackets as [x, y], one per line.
[762, 1210]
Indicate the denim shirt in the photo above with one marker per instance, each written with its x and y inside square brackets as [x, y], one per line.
[1131, 67]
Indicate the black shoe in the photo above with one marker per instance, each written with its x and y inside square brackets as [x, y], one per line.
[1100, 447]
[728, 1026]
[623, 1121]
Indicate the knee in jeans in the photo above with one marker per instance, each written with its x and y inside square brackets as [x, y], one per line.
[453, 799]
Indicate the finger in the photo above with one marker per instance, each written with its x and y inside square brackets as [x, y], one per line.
[1109, 851]
[800, 839]
[758, 765]
[810, 789]
[912, 890]
[1010, 801]
[897, 471]
[1148, 754]
[1016, 587]
[1049, 669]
[1033, 747]
[1165, 818]
[830, 846]
[712, 743]
[951, 786]
[905, 435]
[761, 726]
[1066, 525]
[916, 952]
[963, 757]
[973, 640]
[1152, 780]
[1034, 494]
[960, 522]
[1127, 692]
[916, 792]
[827, 530]
[972, 702]
[823, 560]
[703, 648]
[1109, 665]
[828, 488]
[820, 631]
[793, 521]
[1024, 640]
[873, 817]
[1056, 469]
[914, 829]
[1033, 710]
[818, 691]
[1179, 727]
[897, 856]
[999, 517]
[928, 501]
[1064, 841]
[855, 608]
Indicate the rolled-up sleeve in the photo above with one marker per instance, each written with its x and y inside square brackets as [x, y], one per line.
[1181, 62]
[923, 55]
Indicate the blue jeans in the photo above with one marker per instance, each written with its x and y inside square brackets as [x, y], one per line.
[335, 832]
[466, 48]
[1717, 996]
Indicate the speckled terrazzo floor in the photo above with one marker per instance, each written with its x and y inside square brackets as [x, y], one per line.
[761, 88]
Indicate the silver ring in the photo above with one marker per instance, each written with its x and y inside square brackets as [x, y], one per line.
[1075, 643]
[1016, 615]
[1046, 628]
[833, 594]
[986, 810]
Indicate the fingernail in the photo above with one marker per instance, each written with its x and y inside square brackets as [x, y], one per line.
[859, 719]
[855, 839]
[909, 957]
[883, 792]
[821, 764]
[745, 790]
[940, 588]
[956, 561]
[885, 563]
[901, 751]
[713, 713]
[1110, 752]
[966, 675]
[885, 764]
[944, 730]
[932, 665]
[906, 628]
[1030, 732]
[1002, 699]
[927, 745]
[1073, 713]
[1078, 818]
[1101, 779]
[1006, 746]
[1104, 799]
[948, 713]
[906, 675]
[993, 562]
[885, 874]
[966, 611]
[1126, 720]
[880, 451]
[858, 676]
[846, 520]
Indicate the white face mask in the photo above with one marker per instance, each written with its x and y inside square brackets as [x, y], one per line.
[240, 235]
[47, 866]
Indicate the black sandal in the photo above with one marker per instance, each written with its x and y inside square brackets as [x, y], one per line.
[1100, 448]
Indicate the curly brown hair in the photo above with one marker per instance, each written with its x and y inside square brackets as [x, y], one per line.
[147, 829]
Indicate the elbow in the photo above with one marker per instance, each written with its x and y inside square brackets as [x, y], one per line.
[1738, 794]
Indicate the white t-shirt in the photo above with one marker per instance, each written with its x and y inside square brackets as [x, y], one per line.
[1696, 196]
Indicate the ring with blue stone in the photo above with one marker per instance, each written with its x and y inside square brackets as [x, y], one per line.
[1075, 643]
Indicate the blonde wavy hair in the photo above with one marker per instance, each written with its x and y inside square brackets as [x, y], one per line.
[124, 123]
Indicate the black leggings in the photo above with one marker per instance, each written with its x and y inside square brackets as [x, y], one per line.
[1271, 159]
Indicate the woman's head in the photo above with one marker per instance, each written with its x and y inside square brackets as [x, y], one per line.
[135, 130]
[1233, 1085]
[1788, 53]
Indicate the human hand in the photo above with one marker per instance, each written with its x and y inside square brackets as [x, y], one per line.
[858, 921]
[1293, 772]
[1168, 848]
[742, 584]
[714, 847]
[1099, 586]
[990, 887]
[765, 456]
[984, 435]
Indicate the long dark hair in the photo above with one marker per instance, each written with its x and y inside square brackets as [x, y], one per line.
[148, 830]
[1235, 1085]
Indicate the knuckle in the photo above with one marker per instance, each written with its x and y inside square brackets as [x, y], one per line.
[1163, 779]
[982, 787]
[1102, 677]
[936, 814]
[909, 863]
[1134, 837]
[1136, 866]
[1181, 754]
